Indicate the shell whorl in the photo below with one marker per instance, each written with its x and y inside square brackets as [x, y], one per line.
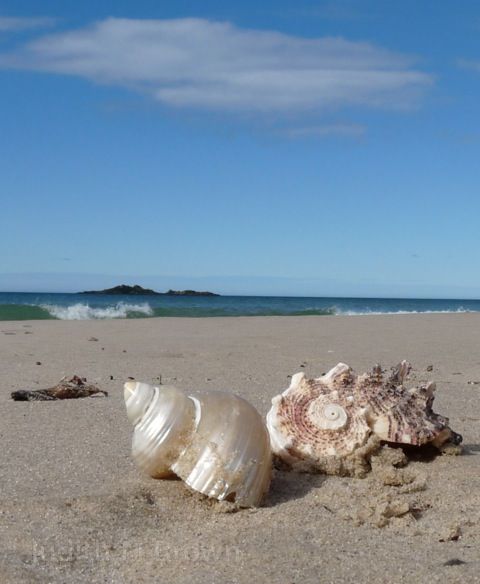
[330, 417]
[137, 397]
[216, 442]
[312, 419]
[164, 419]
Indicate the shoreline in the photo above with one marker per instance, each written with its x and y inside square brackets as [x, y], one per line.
[445, 313]
[83, 307]
[74, 507]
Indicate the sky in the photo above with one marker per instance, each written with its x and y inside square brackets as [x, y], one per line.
[326, 148]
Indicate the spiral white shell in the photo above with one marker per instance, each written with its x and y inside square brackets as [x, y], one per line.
[216, 442]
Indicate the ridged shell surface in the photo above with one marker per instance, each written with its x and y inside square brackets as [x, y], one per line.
[402, 415]
[315, 423]
[215, 441]
[333, 423]
[164, 420]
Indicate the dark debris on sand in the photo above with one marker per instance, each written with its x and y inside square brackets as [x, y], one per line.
[73, 388]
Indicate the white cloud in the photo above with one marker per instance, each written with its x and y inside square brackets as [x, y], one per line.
[199, 63]
[469, 64]
[346, 130]
[15, 24]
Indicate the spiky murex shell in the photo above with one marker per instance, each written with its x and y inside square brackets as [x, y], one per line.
[368, 409]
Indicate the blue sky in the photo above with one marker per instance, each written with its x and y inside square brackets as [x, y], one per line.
[298, 148]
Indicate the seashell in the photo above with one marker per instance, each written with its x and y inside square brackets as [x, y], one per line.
[216, 442]
[335, 422]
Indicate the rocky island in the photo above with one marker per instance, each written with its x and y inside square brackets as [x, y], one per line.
[124, 289]
[189, 293]
[139, 291]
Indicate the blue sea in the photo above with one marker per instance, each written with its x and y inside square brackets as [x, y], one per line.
[37, 306]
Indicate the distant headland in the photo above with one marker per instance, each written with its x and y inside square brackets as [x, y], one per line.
[139, 291]
[189, 293]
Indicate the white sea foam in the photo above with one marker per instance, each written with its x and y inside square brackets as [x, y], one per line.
[460, 310]
[85, 312]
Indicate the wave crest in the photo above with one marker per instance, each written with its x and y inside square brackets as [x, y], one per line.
[86, 312]
[368, 312]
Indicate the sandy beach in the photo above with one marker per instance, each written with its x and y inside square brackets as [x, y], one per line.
[74, 507]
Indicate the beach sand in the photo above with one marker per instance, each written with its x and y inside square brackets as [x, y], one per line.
[74, 508]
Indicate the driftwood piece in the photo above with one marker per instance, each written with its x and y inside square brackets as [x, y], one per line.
[73, 388]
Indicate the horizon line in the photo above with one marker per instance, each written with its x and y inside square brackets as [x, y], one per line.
[340, 297]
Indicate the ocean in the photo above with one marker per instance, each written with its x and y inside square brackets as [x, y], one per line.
[39, 306]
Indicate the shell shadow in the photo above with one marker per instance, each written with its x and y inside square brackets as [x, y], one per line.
[471, 449]
[428, 453]
[288, 485]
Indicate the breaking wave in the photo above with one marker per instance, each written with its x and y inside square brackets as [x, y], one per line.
[24, 306]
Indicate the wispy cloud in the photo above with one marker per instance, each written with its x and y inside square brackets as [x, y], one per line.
[345, 130]
[199, 63]
[331, 10]
[16, 24]
[460, 137]
[336, 10]
[469, 64]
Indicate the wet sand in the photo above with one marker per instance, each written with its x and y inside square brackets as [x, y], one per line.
[74, 508]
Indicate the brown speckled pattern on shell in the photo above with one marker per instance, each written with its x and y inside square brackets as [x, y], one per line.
[294, 411]
[407, 412]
